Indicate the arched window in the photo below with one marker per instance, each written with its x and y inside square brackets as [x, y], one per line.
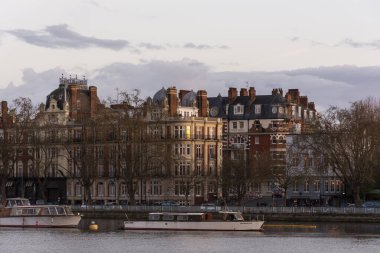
[111, 189]
[274, 140]
[123, 189]
[100, 189]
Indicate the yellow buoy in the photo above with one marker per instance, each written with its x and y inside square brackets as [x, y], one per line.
[93, 226]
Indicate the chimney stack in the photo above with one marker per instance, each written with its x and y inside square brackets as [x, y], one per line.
[182, 93]
[311, 106]
[252, 93]
[73, 88]
[93, 99]
[243, 92]
[172, 101]
[202, 103]
[304, 101]
[232, 94]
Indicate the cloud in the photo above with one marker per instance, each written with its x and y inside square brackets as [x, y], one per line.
[60, 36]
[191, 45]
[355, 44]
[338, 85]
[151, 46]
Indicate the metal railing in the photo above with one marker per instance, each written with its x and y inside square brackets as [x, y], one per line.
[243, 209]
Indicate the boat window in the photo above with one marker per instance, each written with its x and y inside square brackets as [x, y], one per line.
[182, 217]
[168, 217]
[25, 202]
[238, 216]
[60, 210]
[52, 210]
[29, 211]
[154, 217]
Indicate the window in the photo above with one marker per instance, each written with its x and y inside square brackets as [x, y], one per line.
[326, 186]
[241, 124]
[306, 186]
[211, 132]
[111, 171]
[338, 185]
[212, 152]
[179, 132]
[111, 189]
[123, 189]
[198, 189]
[198, 152]
[211, 170]
[257, 109]
[295, 186]
[182, 169]
[234, 125]
[317, 186]
[100, 189]
[182, 149]
[100, 170]
[20, 168]
[198, 170]
[274, 140]
[238, 109]
[180, 188]
[78, 189]
[199, 132]
[332, 185]
[211, 188]
[155, 187]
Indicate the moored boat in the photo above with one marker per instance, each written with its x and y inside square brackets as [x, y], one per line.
[229, 221]
[18, 212]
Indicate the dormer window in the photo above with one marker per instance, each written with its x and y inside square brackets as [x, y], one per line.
[257, 109]
[238, 109]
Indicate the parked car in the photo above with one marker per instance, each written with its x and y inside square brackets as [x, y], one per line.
[169, 203]
[371, 204]
[209, 207]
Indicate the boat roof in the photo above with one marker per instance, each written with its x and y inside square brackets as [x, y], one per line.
[229, 212]
[170, 213]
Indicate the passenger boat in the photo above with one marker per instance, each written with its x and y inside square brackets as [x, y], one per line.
[229, 221]
[18, 212]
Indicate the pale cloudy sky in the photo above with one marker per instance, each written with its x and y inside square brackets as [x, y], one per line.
[329, 49]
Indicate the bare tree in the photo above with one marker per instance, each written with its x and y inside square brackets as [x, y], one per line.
[348, 139]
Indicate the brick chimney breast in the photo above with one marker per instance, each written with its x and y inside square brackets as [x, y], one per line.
[202, 103]
[232, 94]
[73, 101]
[252, 93]
[243, 92]
[93, 99]
[172, 101]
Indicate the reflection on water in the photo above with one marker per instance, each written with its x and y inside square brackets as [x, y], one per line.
[280, 237]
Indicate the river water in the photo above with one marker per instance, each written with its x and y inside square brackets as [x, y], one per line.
[277, 237]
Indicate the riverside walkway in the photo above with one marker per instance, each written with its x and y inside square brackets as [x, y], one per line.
[351, 214]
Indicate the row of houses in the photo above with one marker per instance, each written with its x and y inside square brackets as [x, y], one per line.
[171, 146]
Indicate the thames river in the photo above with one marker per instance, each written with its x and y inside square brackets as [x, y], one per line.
[277, 237]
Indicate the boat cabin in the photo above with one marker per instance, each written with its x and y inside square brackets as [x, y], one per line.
[231, 216]
[179, 216]
[40, 210]
[224, 216]
[17, 202]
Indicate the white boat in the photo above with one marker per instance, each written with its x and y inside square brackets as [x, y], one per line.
[229, 221]
[19, 213]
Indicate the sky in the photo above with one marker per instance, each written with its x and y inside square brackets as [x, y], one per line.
[328, 49]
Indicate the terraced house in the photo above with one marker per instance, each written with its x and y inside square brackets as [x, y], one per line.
[78, 150]
[259, 129]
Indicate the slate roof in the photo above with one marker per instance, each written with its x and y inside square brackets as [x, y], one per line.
[266, 102]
